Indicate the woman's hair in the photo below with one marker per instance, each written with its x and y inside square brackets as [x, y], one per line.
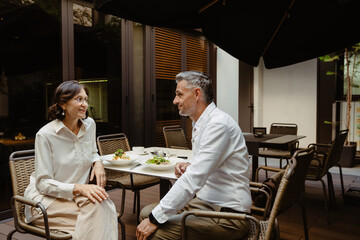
[196, 79]
[63, 93]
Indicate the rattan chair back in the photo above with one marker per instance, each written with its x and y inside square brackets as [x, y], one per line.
[22, 165]
[109, 144]
[269, 224]
[333, 156]
[284, 128]
[174, 137]
[294, 192]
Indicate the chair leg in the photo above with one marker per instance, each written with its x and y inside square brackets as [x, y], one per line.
[325, 200]
[134, 204]
[138, 207]
[303, 210]
[266, 172]
[122, 226]
[342, 182]
[287, 162]
[10, 234]
[331, 191]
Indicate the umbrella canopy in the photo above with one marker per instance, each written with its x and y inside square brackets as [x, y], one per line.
[283, 32]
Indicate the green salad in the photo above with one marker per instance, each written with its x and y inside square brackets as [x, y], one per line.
[158, 160]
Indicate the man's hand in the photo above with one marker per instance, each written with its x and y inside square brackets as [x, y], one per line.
[145, 229]
[180, 168]
[99, 172]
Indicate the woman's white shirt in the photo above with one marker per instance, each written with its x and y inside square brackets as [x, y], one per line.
[62, 159]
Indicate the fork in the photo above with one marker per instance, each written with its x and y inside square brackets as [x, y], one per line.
[135, 166]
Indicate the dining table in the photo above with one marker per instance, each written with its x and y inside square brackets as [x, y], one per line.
[277, 141]
[139, 166]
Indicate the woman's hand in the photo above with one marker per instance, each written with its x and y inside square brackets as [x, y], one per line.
[99, 172]
[91, 191]
[180, 168]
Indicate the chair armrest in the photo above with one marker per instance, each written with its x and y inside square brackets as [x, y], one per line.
[261, 190]
[27, 201]
[319, 145]
[23, 200]
[265, 168]
[214, 214]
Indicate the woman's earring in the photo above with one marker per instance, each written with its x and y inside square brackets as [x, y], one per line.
[63, 113]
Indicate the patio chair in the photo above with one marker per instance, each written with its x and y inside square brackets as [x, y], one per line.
[326, 157]
[108, 144]
[175, 137]
[295, 190]
[267, 226]
[281, 154]
[22, 164]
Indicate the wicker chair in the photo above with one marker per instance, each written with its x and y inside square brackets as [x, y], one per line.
[296, 186]
[175, 137]
[326, 157]
[282, 154]
[22, 164]
[108, 144]
[266, 227]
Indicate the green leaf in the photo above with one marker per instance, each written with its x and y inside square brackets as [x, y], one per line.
[329, 58]
[330, 73]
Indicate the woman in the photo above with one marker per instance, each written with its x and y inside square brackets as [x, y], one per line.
[65, 151]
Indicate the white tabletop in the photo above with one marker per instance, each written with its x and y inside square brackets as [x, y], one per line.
[145, 170]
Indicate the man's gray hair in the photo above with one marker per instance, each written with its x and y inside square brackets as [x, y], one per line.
[196, 79]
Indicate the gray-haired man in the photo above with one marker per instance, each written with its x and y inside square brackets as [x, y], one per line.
[218, 175]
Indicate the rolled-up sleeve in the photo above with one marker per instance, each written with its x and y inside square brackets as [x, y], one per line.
[44, 172]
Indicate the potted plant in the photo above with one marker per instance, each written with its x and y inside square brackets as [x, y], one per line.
[351, 69]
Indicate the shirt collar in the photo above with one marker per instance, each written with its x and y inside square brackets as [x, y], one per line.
[204, 115]
[58, 125]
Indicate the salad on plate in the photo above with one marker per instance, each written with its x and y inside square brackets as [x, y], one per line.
[159, 163]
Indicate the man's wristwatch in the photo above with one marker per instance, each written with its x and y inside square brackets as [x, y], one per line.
[153, 220]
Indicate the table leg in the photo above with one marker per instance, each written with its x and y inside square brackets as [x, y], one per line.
[255, 165]
[164, 187]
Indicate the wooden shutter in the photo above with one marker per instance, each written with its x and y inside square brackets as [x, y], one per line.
[167, 53]
[168, 62]
[196, 54]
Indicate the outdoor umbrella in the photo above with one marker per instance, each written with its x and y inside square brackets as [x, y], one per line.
[30, 39]
[283, 32]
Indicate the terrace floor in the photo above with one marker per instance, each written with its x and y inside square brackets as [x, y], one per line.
[345, 220]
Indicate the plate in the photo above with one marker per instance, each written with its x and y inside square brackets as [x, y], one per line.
[120, 162]
[161, 167]
[144, 153]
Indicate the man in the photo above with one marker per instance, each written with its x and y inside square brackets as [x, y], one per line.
[217, 179]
